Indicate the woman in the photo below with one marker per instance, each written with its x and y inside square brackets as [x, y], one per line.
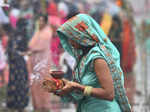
[98, 84]
[39, 63]
[17, 92]
[2, 58]
[146, 50]
[128, 59]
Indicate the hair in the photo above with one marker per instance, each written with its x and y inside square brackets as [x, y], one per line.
[44, 16]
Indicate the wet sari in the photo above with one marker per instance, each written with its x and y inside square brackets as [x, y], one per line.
[86, 32]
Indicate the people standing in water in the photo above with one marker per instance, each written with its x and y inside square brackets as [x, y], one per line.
[18, 88]
[39, 62]
[98, 80]
[3, 63]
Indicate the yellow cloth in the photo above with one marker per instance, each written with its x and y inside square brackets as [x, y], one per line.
[106, 23]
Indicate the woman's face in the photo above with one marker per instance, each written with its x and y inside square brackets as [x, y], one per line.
[41, 22]
[75, 44]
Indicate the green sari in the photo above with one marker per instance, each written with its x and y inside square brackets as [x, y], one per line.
[86, 32]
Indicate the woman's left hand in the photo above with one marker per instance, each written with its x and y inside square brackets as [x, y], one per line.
[69, 86]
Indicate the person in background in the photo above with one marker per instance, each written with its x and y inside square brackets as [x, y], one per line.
[18, 88]
[14, 14]
[26, 11]
[147, 36]
[63, 11]
[3, 17]
[116, 33]
[55, 22]
[128, 59]
[3, 62]
[39, 63]
[52, 9]
[4, 40]
[147, 57]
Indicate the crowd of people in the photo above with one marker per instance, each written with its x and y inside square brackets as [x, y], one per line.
[30, 46]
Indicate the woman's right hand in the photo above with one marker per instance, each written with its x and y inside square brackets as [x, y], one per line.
[69, 86]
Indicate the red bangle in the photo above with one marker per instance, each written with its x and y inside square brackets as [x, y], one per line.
[58, 83]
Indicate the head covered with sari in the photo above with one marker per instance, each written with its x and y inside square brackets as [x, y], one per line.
[84, 30]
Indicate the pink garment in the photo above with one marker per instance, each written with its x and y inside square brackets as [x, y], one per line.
[55, 49]
[4, 41]
[54, 20]
[13, 16]
[55, 42]
[52, 9]
[40, 64]
[13, 21]
[2, 58]
[63, 20]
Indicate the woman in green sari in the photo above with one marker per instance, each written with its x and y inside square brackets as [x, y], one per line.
[98, 83]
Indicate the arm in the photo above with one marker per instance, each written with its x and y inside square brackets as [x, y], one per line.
[29, 66]
[105, 79]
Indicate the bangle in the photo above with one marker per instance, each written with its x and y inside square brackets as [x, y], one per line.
[87, 90]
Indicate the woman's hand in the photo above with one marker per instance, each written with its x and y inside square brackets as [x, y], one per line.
[69, 86]
[30, 52]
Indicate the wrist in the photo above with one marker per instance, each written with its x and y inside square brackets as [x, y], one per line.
[78, 86]
[88, 90]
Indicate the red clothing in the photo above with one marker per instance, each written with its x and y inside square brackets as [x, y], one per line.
[4, 41]
[128, 47]
[52, 9]
[55, 49]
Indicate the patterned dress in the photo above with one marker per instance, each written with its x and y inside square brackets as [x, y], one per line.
[17, 91]
[86, 32]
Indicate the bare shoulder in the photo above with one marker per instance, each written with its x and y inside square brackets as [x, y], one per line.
[100, 62]
[101, 67]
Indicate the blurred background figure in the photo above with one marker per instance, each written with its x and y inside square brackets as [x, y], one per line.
[40, 60]
[3, 17]
[14, 13]
[18, 88]
[147, 57]
[26, 11]
[144, 38]
[3, 62]
[55, 22]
